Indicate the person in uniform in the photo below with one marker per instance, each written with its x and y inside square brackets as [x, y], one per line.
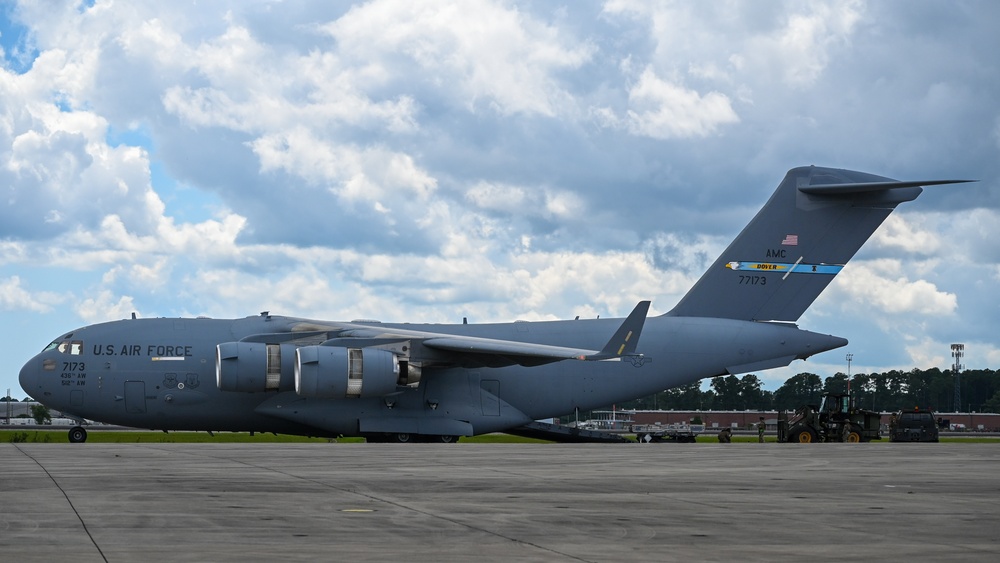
[761, 426]
[726, 436]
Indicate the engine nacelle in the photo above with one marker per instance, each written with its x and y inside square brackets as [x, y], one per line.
[334, 372]
[254, 367]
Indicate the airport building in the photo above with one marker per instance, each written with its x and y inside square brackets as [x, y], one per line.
[18, 413]
[14, 409]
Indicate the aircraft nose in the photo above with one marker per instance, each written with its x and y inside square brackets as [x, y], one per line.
[30, 378]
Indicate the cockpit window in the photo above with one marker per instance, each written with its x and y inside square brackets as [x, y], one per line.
[71, 347]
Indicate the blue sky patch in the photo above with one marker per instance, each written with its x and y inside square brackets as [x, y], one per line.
[18, 51]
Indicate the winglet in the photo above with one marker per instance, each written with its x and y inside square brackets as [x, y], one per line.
[624, 341]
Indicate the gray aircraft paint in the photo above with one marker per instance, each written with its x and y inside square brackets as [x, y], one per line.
[208, 374]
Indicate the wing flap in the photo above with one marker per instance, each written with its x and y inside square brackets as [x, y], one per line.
[507, 348]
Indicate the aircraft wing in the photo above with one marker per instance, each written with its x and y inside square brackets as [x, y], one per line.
[498, 352]
[622, 343]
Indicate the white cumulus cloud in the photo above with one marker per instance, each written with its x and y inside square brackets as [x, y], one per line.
[662, 110]
[883, 286]
[14, 297]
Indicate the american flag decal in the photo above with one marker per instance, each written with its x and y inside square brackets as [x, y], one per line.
[790, 240]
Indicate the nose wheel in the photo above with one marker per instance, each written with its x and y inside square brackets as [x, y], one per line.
[77, 435]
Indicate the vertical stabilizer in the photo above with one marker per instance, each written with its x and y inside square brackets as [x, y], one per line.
[813, 224]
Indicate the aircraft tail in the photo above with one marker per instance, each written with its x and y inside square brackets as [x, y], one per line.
[813, 224]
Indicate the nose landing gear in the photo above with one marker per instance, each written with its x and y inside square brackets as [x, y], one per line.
[77, 435]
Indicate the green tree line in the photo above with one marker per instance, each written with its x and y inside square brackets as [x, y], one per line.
[888, 391]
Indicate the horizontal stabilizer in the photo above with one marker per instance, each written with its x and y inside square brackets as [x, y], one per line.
[864, 187]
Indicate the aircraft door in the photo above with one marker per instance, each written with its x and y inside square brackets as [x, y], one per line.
[135, 397]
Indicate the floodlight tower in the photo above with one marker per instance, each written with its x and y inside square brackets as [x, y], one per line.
[957, 351]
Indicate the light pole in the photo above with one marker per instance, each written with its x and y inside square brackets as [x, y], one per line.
[850, 357]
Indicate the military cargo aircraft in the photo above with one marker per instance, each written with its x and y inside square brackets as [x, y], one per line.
[438, 382]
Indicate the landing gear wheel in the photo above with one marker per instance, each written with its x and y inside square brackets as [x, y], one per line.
[77, 435]
[401, 438]
[801, 434]
[445, 439]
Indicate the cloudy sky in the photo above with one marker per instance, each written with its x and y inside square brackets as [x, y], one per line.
[425, 161]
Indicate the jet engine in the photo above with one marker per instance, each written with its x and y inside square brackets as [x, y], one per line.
[334, 372]
[254, 366]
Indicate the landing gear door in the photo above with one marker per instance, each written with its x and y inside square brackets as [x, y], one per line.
[490, 396]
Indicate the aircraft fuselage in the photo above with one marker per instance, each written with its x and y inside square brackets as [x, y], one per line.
[163, 374]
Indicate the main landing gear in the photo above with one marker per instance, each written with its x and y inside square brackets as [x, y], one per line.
[403, 438]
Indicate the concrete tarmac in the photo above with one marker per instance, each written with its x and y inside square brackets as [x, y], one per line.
[501, 502]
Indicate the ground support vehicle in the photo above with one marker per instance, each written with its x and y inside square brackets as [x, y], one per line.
[834, 420]
[913, 426]
[645, 433]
